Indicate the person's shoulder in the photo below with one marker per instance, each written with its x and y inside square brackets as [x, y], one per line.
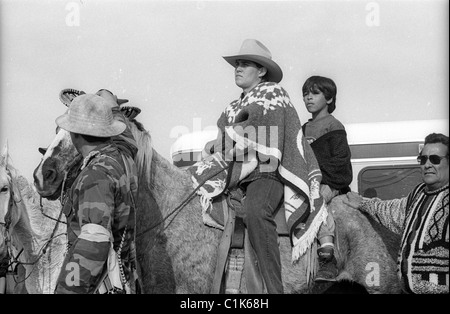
[278, 86]
[271, 91]
[91, 176]
[335, 124]
[106, 164]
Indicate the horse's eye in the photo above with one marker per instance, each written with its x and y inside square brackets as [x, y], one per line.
[4, 189]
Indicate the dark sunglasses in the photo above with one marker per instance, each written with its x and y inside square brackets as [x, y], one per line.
[434, 159]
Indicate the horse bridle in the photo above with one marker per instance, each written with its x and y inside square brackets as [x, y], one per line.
[13, 200]
[69, 177]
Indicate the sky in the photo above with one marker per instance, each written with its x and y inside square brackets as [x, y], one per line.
[389, 59]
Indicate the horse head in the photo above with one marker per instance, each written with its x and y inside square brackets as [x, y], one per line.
[9, 197]
[4, 204]
[60, 161]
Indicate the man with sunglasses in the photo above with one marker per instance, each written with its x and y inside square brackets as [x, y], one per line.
[421, 219]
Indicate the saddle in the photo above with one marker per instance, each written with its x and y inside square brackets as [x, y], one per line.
[235, 253]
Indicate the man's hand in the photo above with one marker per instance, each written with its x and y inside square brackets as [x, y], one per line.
[237, 152]
[353, 200]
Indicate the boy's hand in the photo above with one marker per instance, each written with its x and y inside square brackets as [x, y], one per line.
[327, 193]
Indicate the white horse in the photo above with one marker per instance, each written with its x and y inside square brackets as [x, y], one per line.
[32, 231]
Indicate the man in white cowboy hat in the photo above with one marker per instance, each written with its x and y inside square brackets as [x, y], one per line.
[100, 210]
[255, 71]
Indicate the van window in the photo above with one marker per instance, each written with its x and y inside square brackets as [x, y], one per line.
[388, 182]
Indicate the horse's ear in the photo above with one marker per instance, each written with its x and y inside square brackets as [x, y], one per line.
[5, 149]
[6, 160]
[5, 154]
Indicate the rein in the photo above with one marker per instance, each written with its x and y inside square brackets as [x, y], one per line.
[177, 209]
[43, 249]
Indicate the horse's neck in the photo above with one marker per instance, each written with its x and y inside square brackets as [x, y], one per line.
[31, 234]
[168, 183]
[26, 247]
[23, 234]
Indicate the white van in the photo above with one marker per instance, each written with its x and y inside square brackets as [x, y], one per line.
[383, 154]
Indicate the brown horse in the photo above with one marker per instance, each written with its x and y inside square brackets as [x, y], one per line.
[177, 252]
[31, 231]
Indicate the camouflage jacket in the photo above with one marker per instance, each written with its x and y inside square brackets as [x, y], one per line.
[102, 195]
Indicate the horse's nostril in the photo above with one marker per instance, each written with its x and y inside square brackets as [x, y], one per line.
[49, 174]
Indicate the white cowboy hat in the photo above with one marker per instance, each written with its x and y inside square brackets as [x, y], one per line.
[254, 50]
[90, 115]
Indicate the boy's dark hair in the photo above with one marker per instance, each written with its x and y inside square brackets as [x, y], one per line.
[323, 84]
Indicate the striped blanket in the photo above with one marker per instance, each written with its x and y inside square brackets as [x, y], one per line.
[266, 125]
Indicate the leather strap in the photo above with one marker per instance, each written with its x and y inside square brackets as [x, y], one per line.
[223, 250]
[237, 240]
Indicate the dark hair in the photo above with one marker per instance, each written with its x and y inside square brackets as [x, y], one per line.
[94, 139]
[434, 138]
[323, 84]
[259, 66]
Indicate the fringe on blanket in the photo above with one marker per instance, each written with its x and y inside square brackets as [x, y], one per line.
[206, 203]
[309, 237]
[207, 219]
[310, 263]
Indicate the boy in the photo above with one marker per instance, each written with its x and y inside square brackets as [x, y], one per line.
[328, 139]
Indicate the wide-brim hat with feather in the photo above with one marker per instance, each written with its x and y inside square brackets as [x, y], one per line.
[254, 50]
[68, 94]
[90, 114]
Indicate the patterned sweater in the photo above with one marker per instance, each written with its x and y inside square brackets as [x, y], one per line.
[422, 220]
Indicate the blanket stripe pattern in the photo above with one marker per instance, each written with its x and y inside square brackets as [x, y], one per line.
[266, 124]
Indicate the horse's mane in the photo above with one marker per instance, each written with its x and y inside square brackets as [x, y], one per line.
[144, 143]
